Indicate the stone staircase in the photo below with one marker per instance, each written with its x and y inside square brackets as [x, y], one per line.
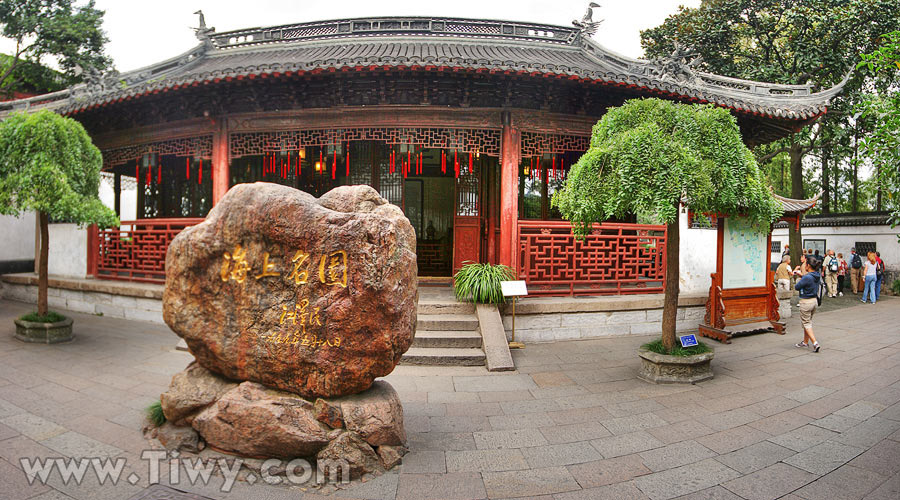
[447, 333]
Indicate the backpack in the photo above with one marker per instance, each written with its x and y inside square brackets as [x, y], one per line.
[856, 262]
[833, 265]
[821, 293]
[879, 270]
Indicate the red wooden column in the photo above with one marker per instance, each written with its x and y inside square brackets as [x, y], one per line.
[510, 142]
[220, 162]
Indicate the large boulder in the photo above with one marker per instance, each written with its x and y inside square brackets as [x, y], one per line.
[349, 449]
[254, 421]
[312, 296]
[376, 415]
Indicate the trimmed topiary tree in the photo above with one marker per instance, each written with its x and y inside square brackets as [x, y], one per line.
[49, 165]
[648, 156]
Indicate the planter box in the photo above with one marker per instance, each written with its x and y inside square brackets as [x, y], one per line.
[665, 369]
[44, 333]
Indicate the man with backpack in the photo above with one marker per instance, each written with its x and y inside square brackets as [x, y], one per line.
[855, 270]
[830, 268]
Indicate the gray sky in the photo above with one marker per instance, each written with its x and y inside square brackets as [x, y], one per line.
[143, 33]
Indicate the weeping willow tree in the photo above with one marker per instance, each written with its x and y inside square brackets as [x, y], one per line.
[648, 157]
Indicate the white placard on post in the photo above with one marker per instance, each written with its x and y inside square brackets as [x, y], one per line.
[513, 288]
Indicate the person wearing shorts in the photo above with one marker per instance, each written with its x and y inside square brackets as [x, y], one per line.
[808, 286]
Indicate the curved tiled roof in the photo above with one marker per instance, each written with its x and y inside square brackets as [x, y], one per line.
[844, 219]
[433, 44]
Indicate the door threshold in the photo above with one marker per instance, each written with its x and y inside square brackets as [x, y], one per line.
[435, 280]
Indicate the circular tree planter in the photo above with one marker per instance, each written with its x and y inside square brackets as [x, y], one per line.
[665, 369]
[44, 333]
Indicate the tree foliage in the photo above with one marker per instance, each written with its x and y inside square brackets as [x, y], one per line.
[49, 164]
[58, 29]
[649, 154]
[882, 145]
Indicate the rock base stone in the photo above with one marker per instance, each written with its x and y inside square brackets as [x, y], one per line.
[665, 369]
[363, 432]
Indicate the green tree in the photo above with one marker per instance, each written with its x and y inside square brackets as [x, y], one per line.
[71, 35]
[647, 157]
[49, 165]
[785, 41]
[882, 146]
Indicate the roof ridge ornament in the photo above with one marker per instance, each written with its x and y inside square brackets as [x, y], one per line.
[587, 26]
[202, 32]
[679, 67]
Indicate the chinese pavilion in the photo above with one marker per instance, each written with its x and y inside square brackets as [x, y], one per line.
[469, 125]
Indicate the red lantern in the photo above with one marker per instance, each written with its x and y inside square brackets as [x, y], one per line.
[159, 172]
[347, 173]
[200, 173]
[470, 163]
[187, 168]
[455, 164]
[334, 162]
[321, 160]
[443, 162]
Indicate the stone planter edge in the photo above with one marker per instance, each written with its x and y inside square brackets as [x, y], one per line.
[64, 325]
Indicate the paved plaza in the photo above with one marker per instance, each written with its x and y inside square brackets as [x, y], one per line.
[572, 422]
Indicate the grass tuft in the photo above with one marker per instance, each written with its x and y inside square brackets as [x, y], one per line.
[480, 283]
[155, 414]
[657, 347]
[51, 317]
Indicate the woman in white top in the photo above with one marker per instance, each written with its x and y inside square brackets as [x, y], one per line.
[870, 269]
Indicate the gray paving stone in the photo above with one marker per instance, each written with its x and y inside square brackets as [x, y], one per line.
[529, 406]
[633, 407]
[74, 444]
[516, 438]
[8, 409]
[728, 419]
[772, 482]
[781, 422]
[560, 454]
[714, 493]
[868, 433]
[755, 457]
[861, 410]
[846, 483]
[824, 458]
[535, 482]
[836, 423]
[485, 461]
[620, 491]
[625, 425]
[520, 421]
[683, 480]
[424, 462]
[608, 471]
[574, 432]
[576, 416]
[451, 486]
[809, 393]
[675, 455]
[803, 437]
[474, 409]
[7, 432]
[494, 383]
[458, 423]
[883, 458]
[732, 439]
[889, 490]
[626, 444]
[383, 486]
[449, 441]
[33, 426]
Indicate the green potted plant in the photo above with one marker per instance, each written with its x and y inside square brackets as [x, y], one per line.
[49, 165]
[480, 283]
[649, 157]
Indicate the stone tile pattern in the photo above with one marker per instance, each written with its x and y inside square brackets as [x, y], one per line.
[571, 422]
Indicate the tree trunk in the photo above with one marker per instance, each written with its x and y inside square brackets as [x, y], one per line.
[794, 236]
[42, 268]
[826, 185]
[670, 304]
[878, 188]
[854, 201]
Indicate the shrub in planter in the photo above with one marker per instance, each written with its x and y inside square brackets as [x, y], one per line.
[480, 283]
[679, 365]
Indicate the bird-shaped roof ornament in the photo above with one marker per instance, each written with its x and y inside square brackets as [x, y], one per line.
[587, 26]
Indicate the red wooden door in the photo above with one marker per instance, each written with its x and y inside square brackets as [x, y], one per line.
[467, 224]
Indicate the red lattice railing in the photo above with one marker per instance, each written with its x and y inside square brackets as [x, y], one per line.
[136, 250]
[614, 259]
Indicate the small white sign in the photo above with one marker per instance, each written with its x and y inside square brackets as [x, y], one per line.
[513, 288]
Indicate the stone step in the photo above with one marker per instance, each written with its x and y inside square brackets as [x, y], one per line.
[444, 307]
[447, 338]
[444, 356]
[446, 322]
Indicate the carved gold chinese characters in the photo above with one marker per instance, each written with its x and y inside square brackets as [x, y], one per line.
[333, 267]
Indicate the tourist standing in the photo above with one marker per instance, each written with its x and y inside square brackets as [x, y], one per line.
[879, 274]
[855, 270]
[808, 286]
[787, 250]
[783, 274]
[801, 269]
[842, 273]
[870, 270]
[830, 268]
